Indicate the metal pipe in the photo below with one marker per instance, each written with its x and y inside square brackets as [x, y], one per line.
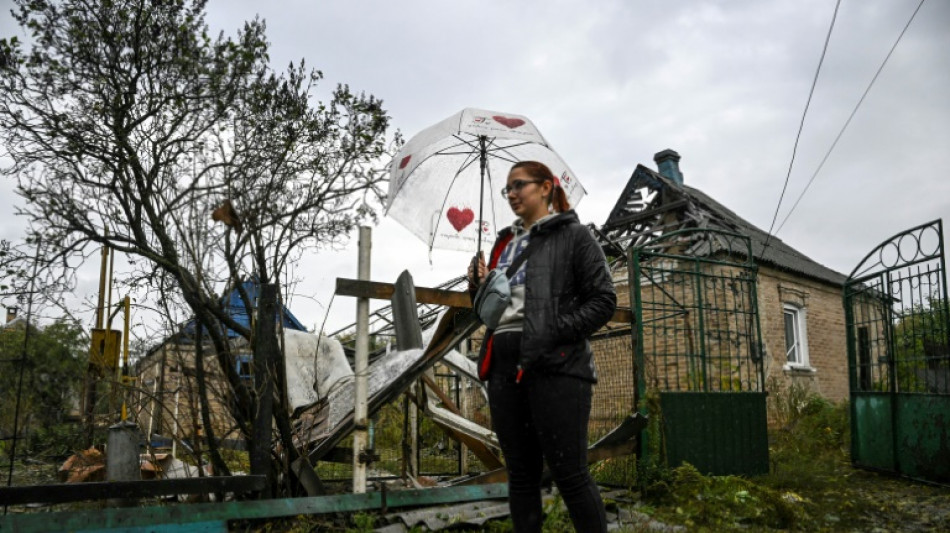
[361, 385]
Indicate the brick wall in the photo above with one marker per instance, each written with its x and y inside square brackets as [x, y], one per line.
[825, 334]
[824, 315]
[167, 384]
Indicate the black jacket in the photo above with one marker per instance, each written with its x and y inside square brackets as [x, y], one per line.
[569, 295]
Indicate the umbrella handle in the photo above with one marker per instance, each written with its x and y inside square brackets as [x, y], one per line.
[475, 265]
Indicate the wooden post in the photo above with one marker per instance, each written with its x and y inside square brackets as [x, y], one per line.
[463, 388]
[265, 356]
[414, 433]
[361, 384]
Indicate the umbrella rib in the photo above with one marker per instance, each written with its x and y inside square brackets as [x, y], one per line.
[472, 157]
[495, 149]
[440, 152]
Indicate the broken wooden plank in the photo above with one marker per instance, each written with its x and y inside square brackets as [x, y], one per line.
[425, 295]
[643, 215]
[478, 447]
[384, 291]
[397, 371]
[620, 441]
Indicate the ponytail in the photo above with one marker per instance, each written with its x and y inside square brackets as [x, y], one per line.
[540, 171]
[559, 198]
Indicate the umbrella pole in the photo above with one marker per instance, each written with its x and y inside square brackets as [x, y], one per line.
[482, 162]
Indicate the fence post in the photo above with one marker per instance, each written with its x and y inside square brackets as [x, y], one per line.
[361, 385]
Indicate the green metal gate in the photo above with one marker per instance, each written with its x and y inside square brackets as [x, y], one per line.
[898, 324]
[699, 348]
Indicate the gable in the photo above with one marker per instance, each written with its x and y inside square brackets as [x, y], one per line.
[652, 205]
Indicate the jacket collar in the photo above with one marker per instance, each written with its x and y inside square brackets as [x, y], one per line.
[545, 224]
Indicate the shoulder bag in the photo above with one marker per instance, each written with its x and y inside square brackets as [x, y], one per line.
[494, 294]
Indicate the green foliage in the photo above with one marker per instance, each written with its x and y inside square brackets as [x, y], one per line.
[921, 341]
[787, 403]
[652, 468]
[806, 452]
[720, 502]
[363, 522]
[52, 372]
[237, 460]
[556, 517]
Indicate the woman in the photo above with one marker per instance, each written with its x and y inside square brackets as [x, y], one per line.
[538, 359]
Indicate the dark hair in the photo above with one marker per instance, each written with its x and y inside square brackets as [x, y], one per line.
[540, 171]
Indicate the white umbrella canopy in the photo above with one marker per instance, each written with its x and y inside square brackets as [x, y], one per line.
[439, 190]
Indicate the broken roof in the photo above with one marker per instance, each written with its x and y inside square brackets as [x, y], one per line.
[652, 204]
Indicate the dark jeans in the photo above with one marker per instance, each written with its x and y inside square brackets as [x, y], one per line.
[544, 415]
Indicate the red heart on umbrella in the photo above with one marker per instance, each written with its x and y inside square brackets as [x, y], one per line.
[510, 122]
[405, 161]
[459, 218]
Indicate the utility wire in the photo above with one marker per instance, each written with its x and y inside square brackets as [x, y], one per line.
[801, 125]
[848, 122]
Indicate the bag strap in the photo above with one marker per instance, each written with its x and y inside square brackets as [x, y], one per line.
[516, 264]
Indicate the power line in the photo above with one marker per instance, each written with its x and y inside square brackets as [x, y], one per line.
[801, 125]
[848, 122]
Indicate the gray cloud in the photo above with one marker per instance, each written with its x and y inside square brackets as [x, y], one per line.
[612, 82]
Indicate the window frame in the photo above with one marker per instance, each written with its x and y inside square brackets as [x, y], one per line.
[799, 315]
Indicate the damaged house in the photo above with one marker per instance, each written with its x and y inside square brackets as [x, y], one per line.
[801, 323]
[168, 389]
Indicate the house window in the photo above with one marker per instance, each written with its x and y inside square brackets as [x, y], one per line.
[796, 337]
[243, 366]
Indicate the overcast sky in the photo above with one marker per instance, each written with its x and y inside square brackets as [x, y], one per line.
[610, 83]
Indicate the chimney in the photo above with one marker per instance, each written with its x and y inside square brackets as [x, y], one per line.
[668, 165]
[11, 314]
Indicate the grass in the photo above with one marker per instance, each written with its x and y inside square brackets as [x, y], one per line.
[811, 486]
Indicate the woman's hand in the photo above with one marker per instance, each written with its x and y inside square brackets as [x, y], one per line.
[482, 269]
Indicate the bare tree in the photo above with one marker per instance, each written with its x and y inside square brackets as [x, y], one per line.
[129, 126]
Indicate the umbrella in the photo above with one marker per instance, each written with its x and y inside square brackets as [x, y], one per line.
[445, 182]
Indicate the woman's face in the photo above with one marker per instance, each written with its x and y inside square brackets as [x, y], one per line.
[527, 195]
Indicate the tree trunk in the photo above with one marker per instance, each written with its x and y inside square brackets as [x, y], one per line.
[217, 463]
[265, 353]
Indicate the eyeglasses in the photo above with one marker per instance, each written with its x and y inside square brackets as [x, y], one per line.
[516, 186]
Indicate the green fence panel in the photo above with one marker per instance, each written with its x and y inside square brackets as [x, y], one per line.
[923, 422]
[872, 443]
[719, 434]
[699, 346]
